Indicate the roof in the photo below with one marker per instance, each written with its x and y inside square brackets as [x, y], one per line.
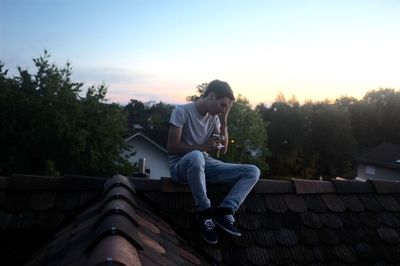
[139, 134]
[84, 221]
[384, 155]
[299, 222]
[126, 221]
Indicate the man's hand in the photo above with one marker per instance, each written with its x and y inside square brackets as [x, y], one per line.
[224, 115]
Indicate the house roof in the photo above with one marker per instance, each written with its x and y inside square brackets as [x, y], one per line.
[299, 222]
[384, 155]
[84, 221]
[141, 135]
[125, 221]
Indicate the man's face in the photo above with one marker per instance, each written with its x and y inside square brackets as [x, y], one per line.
[219, 106]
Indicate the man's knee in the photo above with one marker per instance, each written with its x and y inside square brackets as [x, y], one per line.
[196, 158]
[253, 172]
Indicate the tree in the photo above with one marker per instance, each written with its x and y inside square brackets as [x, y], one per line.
[48, 128]
[248, 136]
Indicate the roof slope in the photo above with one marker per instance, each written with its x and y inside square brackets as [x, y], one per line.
[384, 155]
[114, 228]
[301, 222]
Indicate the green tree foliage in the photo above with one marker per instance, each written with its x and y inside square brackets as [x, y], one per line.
[47, 128]
[153, 118]
[247, 134]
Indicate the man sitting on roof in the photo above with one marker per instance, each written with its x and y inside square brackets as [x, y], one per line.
[197, 129]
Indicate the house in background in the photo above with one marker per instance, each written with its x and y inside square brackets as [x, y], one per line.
[381, 162]
[156, 163]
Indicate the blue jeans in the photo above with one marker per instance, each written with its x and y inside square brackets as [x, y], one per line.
[197, 168]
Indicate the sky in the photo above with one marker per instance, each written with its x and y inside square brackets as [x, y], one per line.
[153, 50]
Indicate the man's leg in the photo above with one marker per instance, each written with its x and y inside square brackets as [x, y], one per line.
[244, 177]
[190, 169]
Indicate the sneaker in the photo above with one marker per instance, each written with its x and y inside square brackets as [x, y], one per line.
[225, 222]
[207, 231]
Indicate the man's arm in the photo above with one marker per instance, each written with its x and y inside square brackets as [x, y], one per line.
[223, 131]
[175, 146]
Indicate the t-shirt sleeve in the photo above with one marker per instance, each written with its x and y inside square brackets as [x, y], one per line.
[178, 117]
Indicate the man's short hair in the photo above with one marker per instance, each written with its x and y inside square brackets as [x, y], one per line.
[220, 88]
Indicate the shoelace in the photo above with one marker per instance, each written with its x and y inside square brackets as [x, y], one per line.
[209, 224]
[230, 218]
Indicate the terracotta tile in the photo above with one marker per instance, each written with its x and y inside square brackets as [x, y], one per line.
[113, 249]
[331, 220]
[315, 203]
[308, 237]
[388, 235]
[346, 253]
[386, 186]
[311, 220]
[328, 236]
[271, 220]
[388, 202]
[265, 238]
[353, 203]
[352, 186]
[3, 183]
[291, 220]
[265, 186]
[348, 236]
[234, 255]
[281, 255]
[43, 201]
[3, 196]
[81, 183]
[67, 201]
[304, 186]
[214, 253]
[275, 203]
[390, 253]
[246, 240]
[255, 204]
[389, 219]
[147, 224]
[188, 256]
[286, 237]
[116, 225]
[370, 202]
[370, 219]
[17, 201]
[334, 202]
[49, 219]
[367, 252]
[120, 193]
[141, 184]
[88, 196]
[258, 255]
[22, 220]
[118, 180]
[369, 236]
[169, 185]
[249, 221]
[150, 243]
[302, 255]
[295, 203]
[32, 182]
[350, 219]
[156, 257]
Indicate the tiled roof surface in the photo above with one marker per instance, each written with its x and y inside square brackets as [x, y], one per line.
[116, 229]
[32, 208]
[299, 222]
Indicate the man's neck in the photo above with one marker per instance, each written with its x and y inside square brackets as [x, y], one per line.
[201, 106]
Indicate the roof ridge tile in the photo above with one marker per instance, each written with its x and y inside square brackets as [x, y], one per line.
[307, 186]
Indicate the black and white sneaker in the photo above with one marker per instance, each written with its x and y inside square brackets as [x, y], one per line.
[207, 231]
[225, 222]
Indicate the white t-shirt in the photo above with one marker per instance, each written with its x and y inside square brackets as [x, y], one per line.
[196, 128]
